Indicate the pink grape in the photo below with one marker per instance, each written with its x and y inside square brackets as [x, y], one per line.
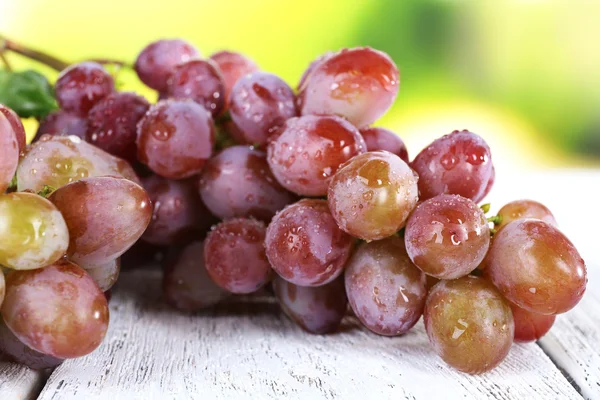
[234, 255]
[16, 124]
[157, 60]
[186, 283]
[105, 275]
[384, 139]
[59, 160]
[9, 153]
[521, 209]
[63, 123]
[536, 267]
[176, 138]
[260, 103]
[385, 289]
[105, 217]
[359, 84]
[458, 163]
[58, 310]
[238, 182]
[447, 236]
[82, 85]
[315, 309]
[529, 326]
[305, 246]
[233, 66]
[372, 195]
[307, 151]
[18, 352]
[469, 324]
[311, 68]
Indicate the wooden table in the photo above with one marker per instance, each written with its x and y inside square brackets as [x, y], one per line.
[249, 350]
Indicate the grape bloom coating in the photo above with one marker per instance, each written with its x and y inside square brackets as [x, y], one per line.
[372, 195]
[469, 324]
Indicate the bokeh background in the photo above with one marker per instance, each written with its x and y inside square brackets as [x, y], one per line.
[525, 75]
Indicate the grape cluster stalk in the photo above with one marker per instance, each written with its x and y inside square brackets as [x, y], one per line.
[240, 184]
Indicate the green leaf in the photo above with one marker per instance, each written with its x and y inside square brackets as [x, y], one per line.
[28, 93]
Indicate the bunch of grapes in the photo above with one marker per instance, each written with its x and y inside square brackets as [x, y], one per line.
[252, 183]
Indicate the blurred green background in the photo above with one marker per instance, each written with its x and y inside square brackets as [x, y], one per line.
[523, 74]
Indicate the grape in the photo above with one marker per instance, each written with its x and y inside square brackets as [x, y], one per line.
[234, 255]
[521, 209]
[18, 352]
[112, 123]
[2, 287]
[232, 66]
[372, 195]
[308, 151]
[156, 61]
[311, 68]
[9, 153]
[469, 324]
[260, 103]
[529, 326]
[316, 309]
[186, 284]
[63, 123]
[458, 163]
[178, 211]
[384, 139]
[305, 246]
[57, 310]
[34, 233]
[536, 267]
[59, 160]
[237, 182]
[105, 275]
[105, 216]
[447, 236]
[200, 81]
[385, 290]
[359, 84]
[82, 85]
[175, 138]
[16, 124]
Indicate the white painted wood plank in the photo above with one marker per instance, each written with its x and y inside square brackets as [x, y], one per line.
[574, 340]
[251, 351]
[18, 382]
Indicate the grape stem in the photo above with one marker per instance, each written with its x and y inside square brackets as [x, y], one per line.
[496, 219]
[38, 56]
[4, 59]
[109, 61]
[485, 208]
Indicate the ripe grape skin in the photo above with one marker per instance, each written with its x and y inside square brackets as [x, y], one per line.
[59, 160]
[178, 211]
[16, 124]
[318, 309]
[536, 267]
[176, 138]
[521, 209]
[238, 182]
[34, 233]
[260, 103]
[372, 195]
[82, 85]
[105, 216]
[457, 163]
[201, 81]
[57, 310]
[385, 289]
[359, 84]
[469, 324]
[529, 326]
[18, 352]
[311, 68]
[112, 123]
[105, 275]
[157, 60]
[186, 283]
[447, 236]
[307, 151]
[384, 139]
[63, 123]
[9, 153]
[233, 66]
[305, 246]
[234, 255]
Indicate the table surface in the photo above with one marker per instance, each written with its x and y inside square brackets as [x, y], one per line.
[247, 349]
